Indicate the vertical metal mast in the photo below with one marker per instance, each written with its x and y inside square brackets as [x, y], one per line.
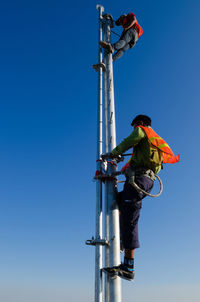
[98, 247]
[112, 240]
[112, 213]
[107, 257]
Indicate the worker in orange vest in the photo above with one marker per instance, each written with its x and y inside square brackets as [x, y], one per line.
[150, 152]
[131, 32]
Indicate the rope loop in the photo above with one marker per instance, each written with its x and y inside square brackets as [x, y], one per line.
[151, 195]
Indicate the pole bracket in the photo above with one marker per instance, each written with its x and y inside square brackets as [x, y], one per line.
[96, 242]
[107, 18]
[99, 6]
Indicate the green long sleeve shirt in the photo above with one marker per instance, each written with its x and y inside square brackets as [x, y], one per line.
[143, 151]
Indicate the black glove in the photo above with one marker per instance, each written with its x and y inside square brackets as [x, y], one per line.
[107, 155]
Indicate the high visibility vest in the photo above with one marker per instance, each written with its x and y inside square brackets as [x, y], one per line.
[139, 28]
[154, 139]
[130, 17]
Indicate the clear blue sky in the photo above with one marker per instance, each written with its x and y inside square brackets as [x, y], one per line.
[48, 99]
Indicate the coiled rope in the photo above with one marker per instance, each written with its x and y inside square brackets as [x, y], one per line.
[151, 195]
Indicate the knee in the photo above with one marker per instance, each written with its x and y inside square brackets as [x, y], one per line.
[126, 47]
[119, 45]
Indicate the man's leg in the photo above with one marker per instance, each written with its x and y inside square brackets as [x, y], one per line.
[129, 216]
[126, 37]
[120, 52]
[130, 205]
[130, 212]
[124, 43]
[129, 253]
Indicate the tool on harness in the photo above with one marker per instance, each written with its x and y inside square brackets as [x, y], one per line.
[131, 173]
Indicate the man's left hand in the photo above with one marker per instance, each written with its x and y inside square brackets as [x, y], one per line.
[107, 155]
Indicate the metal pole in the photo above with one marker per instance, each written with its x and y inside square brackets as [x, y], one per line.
[98, 248]
[107, 257]
[111, 206]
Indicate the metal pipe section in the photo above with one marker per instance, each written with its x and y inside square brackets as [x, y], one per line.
[99, 225]
[107, 258]
[110, 186]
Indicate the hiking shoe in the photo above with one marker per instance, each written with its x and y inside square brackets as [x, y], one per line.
[99, 65]
[111, 271]
[125, 272]
[107, 46]
[121, 270]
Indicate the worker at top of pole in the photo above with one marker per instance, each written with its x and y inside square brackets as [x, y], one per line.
[149, 152]
[130, 35]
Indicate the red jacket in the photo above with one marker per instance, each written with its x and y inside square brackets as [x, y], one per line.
[128, 20]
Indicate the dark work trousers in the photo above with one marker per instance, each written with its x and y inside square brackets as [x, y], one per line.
[130, 204]
[128, 40]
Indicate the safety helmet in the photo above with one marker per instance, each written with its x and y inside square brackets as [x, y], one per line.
[141, 118]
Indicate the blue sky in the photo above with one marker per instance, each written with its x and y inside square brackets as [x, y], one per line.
[48, 99]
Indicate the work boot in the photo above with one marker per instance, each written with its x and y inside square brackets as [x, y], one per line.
[99, 65]
[125, 272]
[107, 46]
[121, 270]
[111, 271]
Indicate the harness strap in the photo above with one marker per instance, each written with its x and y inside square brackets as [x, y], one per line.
[140, 171]
[131, 173]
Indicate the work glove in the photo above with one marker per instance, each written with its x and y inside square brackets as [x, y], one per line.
[107, 155]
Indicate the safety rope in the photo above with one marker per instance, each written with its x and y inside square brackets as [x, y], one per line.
[99, 175]
[141, 190]
[115, 33]
[151, 195]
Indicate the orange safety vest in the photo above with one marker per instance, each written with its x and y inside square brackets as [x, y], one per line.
[127, 20]
[139, 28]
[154, 139]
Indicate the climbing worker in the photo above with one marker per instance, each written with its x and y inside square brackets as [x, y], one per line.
[149, 152]
[132, 31]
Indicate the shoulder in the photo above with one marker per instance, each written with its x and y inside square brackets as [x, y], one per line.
[140, 132]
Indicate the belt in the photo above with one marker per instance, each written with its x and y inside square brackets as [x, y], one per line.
[130, 172]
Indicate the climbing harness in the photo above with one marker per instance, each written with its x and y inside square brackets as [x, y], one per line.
[131, 173]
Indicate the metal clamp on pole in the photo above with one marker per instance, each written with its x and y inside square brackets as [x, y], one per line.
[108, 18]
[95, 242]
